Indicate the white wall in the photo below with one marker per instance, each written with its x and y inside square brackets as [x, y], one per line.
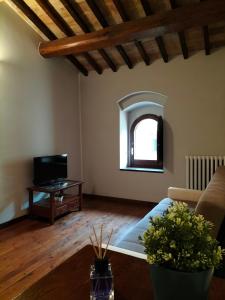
[194, 122]
[38, 111]
[39, 115]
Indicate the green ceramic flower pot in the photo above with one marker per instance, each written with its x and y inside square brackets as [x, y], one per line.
[175, 285]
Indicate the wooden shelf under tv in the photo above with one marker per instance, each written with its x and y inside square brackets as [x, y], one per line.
[57, 201]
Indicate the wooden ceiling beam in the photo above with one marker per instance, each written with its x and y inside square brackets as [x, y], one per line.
[55, 17]
[64, 27]
[181, 34]
[206, 40]
[77, 64]
[142, 52]
[90, 59]
[147, 8]
[108, 60]
[205, 30]
[182, 18]
[71, 7]
[159, 40]
[46, 31]
[120, 49]
[138, 44]
[162, 48]
[120, 9]
[183, 44]
[28, 12]
[102, 20]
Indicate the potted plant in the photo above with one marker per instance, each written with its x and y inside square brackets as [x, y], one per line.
[182, 254]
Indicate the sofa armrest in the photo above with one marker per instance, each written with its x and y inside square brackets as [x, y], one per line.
[186, 195]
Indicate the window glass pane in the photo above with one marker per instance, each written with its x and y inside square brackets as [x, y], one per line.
[145, 140]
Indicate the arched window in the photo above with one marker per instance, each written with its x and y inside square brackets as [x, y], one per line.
[146, 142]
[141, 132]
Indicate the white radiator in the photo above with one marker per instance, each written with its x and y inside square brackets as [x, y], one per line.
[199, 170]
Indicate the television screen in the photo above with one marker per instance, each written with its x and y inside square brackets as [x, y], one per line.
[49, 169]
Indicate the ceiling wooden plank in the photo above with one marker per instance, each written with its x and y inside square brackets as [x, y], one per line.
[181, 34]
[182, 18]
[72, 9]
[46, 31]
[159, 40]
[138, 44]
[59, 21]
[102, 20]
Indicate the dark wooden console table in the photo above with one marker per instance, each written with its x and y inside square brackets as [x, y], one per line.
[57, 201]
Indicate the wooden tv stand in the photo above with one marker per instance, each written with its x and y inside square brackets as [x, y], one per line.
[57, 202]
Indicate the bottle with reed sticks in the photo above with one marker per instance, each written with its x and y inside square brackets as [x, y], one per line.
[101, 277]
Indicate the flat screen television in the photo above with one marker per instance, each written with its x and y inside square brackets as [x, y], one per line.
[49, 169]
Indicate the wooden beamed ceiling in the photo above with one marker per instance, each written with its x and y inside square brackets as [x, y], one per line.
[100, 34]
[104, 23]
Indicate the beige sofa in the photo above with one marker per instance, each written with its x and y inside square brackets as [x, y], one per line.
[210, 203]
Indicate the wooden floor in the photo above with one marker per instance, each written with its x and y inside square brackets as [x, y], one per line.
[31, 248]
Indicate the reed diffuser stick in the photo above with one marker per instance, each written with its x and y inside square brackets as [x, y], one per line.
[100, 242]
[96, 253]
[106, 248]
[96, 237]
[99, 252]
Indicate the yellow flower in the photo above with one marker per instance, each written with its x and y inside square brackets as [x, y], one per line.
[178, 221]
[173, 244]
[167, 256]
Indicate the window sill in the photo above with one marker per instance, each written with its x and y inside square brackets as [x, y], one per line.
[149, 170]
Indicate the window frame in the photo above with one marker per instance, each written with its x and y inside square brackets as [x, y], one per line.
[150, 164]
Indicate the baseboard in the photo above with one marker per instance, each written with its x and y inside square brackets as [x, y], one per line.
[11, 222]
[91, 197]
[120, 200]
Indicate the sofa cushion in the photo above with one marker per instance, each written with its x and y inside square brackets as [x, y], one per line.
[130, 240]
[212, 202]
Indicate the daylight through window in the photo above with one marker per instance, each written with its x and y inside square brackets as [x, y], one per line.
[146, 142]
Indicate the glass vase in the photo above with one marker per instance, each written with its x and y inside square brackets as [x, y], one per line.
[101, 280]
